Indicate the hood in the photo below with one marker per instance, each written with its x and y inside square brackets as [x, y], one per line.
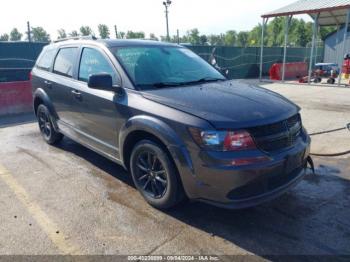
[229, 104]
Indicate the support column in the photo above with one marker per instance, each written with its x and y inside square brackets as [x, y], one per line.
[344, 43]
[314, 31]
[336, 46]
[286, 31]
[264, 22]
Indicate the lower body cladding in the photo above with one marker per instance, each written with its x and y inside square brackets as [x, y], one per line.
[219, 179]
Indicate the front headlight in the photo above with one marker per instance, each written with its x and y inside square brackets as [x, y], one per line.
[223, 140]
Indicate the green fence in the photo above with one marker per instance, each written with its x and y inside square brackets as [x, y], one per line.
[17, 59]
[245, 62]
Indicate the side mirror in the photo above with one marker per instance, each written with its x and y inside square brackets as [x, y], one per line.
[101, 82]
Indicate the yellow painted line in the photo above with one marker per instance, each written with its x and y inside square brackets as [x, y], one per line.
[45, 223]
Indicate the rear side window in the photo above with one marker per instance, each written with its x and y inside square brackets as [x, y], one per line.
[46, 59]
[93, 62]
[64, 62]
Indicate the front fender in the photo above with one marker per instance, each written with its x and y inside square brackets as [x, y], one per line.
[168, 136]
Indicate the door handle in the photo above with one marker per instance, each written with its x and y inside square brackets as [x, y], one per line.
[76, 93]
[48, 84]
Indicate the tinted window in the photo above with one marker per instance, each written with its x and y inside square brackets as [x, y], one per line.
[46, 59]
[64, 62]
[93, 62]
[149, 66]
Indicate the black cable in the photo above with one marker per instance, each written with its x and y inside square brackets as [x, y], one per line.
[331, 131]
[328, 131]
[332, 155]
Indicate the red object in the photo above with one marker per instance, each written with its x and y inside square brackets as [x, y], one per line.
[15, 97]
[238, 140]
[346, 67]
[293, 70]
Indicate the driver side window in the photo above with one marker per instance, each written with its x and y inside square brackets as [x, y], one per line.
[93, 62]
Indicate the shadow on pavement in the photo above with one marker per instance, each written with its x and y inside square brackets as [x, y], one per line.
[13, 120]
[313, 218]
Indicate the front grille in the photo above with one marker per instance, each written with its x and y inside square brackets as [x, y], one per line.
[279, 135]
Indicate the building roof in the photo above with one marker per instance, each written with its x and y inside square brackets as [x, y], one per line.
[332, 12]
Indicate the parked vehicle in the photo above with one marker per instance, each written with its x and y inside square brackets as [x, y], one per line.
[172, 119]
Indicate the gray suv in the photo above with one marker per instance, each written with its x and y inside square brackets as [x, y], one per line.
[177, 124]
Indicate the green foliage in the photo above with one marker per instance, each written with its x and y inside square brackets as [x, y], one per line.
[4, 37]
[15, 35]
[74, 33]
[86, 31]
[103, 31]
[230, 38]
[39, 35]
[153, 37]
[242, 39]
[61, 34]
[135, 35]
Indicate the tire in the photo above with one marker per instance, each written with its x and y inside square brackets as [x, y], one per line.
[155, 175]
[46, 127]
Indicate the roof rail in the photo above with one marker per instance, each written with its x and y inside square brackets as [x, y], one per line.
[89, 37]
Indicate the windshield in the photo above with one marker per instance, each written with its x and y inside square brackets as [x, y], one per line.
[159, 66]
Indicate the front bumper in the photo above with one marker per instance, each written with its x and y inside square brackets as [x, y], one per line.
[237, 187]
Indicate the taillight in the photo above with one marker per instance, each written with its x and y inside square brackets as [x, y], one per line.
[223, 140]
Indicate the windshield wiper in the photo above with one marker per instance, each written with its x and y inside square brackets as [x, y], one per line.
[160, 84]
[173, 84]
[203, 80]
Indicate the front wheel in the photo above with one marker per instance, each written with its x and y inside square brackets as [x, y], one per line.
[155, 175]
[46, 127]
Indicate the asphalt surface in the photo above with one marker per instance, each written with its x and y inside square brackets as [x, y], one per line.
[67, 199]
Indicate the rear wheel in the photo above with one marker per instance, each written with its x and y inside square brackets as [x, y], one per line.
[155, 175]
[46, 127]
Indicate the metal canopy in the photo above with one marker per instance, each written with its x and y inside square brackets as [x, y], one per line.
[332, 12]
[323, 12]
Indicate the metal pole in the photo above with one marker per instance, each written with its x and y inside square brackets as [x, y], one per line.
[116, 31]
[314, 29]
[346, 27]
[28, 32]
[286, 29]
[262, 47]
[316, 46]
[167, 23]
[178, 36]
[336, 45]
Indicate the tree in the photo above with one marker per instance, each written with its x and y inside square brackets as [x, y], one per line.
[230, 38]
[203, 40]
[4, 37]
[242, 39]
[254, 37]
[61, 33]
[276, 29]
[135, 35]
[301, 36]
[121, 35]
[15, 35]
[216, 40]
[39, 34]
[193, 36]
[74, 33]
[103, 31]
[153, 37]
[86, 30]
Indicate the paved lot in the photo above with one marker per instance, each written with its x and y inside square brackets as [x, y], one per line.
[68, 199]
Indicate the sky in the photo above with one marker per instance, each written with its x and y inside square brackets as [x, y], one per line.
[209, 16]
